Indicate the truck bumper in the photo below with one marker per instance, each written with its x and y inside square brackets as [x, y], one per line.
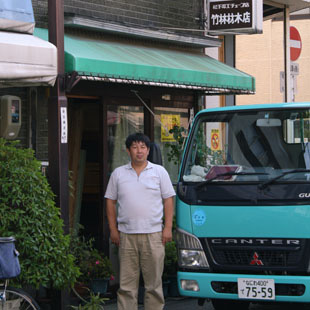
[204, 281]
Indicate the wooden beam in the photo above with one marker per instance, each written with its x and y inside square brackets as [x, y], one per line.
[57, 116]
[75, 141]
[58, 130]
[104, 232]
[82, 97]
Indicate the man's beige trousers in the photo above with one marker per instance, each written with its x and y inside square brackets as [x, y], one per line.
[143, 252]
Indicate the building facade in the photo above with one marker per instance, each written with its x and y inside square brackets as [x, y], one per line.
[129, 66]
[264, 59]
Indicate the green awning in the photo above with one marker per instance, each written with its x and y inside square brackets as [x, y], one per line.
[127, 63]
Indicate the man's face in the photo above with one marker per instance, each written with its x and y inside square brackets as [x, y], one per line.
[138, 152]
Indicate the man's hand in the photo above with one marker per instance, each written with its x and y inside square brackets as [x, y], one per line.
[168, 211]
[167, 235]
[114, 235]
[111, 215]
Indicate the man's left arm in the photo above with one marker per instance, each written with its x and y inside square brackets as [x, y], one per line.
[168, 212]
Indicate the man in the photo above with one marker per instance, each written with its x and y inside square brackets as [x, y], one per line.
[144, 194]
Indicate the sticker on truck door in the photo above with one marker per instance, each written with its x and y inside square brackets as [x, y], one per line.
[199, 217]
[215, 140]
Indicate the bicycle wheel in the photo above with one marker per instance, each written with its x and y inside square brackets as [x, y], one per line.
[16, 299]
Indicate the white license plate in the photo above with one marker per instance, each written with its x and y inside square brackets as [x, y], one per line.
[256, 289]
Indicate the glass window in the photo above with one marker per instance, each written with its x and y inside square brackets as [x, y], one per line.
[171, 149]
[122, 121]
[250, 146]
[297, 128]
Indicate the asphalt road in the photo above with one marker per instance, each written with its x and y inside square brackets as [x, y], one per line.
[191, 304]
[171, 304]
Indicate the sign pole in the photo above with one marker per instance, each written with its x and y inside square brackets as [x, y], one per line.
[287, 55]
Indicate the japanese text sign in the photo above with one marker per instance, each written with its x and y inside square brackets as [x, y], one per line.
[243, 16]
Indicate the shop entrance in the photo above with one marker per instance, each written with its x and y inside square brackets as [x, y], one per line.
[98, 128]
[97, 134]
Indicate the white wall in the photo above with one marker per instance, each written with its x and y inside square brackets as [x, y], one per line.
[262, 55]
[212, 101]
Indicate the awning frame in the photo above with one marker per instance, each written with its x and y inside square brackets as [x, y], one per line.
[143, 64]
[72, 79]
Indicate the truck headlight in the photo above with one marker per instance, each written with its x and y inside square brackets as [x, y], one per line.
[190, 251]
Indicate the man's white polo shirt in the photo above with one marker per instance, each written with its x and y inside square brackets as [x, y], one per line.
[140, 198]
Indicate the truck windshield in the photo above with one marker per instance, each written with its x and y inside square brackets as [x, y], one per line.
[249, 146]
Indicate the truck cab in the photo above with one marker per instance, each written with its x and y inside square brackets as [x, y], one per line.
[243, 206]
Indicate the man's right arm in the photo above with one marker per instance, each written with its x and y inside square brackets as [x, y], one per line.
[111, 215]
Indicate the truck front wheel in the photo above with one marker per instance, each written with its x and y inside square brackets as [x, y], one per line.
[225, 304]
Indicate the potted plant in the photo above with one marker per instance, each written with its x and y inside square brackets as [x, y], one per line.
[80, 248]
[95, 268]
[98, 268]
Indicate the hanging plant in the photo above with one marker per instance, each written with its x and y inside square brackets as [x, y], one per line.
[176, 148]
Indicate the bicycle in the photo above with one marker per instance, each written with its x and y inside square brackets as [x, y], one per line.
[12, 298]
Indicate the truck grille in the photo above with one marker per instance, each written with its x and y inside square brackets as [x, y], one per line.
[261, 256]
[267, 257]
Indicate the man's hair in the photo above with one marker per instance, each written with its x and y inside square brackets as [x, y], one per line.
[137, 137]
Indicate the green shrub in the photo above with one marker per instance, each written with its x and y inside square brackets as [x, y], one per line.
[95, 302]
[29, 213]
[171, 260]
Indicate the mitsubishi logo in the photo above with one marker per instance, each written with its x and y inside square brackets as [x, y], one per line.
[256, 261]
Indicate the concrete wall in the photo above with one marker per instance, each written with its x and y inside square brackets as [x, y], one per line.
[303, 79]
[135, 13]
[262, 56]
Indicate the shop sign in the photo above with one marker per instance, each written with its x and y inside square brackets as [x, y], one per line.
[168, 121]
[64, 125]
[235, 17]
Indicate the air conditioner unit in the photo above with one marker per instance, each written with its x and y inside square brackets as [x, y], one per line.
[10, 119]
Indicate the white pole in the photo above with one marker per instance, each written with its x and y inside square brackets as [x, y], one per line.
[287, 55]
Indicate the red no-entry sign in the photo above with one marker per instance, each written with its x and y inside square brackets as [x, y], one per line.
[295, 43]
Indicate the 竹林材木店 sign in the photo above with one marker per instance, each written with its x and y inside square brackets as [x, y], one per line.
[235, 17]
